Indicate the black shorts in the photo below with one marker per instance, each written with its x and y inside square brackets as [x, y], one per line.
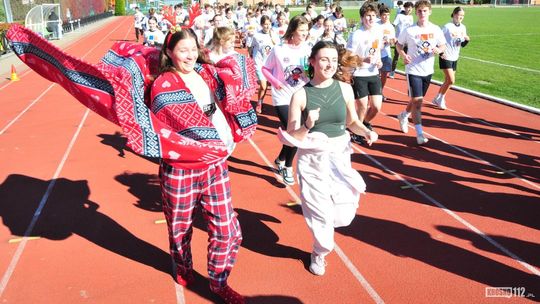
[418, 85]
[366, 86]
[447, 64]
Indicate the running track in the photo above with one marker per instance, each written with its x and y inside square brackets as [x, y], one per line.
[81, 215]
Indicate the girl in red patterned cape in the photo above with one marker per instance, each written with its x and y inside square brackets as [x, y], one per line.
[190, 117]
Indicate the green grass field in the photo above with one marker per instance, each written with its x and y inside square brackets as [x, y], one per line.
[503, 57]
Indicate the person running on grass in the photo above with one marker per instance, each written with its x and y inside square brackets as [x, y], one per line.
[424, 40]
[366, 42]
[319, 115]
[456, 36]
[285, 69]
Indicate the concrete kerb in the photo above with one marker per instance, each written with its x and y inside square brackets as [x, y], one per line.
[69, 38]
[488, 97]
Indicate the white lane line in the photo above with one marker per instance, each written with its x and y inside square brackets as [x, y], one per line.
[37, 213]
[493, 126]
[344, 258]
[506, 35]
[53, 84]
[26, 109]
[374, 295]
[453, 214]
[477, 157]
[500, 64]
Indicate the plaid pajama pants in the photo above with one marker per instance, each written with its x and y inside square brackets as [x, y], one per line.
[183, 190]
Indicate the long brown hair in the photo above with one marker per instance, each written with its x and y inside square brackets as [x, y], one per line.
[294, 24]
[171, 40]
[347, 61]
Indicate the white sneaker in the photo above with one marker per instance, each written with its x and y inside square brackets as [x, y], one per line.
[280, 164]
[318, 264]
[442, 103]
[287, 176]
[403, 118]
[420, 139]
[392, 74]
[439, 102]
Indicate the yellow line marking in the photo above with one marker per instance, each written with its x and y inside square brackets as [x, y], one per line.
[162, 221]
[18, 240]
[411, 186]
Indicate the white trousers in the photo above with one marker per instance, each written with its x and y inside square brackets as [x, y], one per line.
[330, 190]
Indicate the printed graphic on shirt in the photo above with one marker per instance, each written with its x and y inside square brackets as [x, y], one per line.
[457, 38]
[424, 46]
[374, 46]
[294, 74]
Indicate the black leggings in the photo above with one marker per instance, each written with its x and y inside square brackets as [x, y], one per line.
[287, 153]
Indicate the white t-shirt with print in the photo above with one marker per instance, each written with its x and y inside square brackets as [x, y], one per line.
[288, 64]
[262, 44]
[402, 22]
[420, 42]
[364, 43]
[389, 33]
[454, 35]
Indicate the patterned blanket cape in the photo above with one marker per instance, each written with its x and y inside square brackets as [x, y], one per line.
[118, 89]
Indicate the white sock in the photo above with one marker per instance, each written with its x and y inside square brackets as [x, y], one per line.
[439, 96]
[418, 129]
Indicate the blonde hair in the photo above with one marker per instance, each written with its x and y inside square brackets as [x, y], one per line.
[221, 34]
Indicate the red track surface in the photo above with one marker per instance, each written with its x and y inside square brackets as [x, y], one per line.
[67, 179]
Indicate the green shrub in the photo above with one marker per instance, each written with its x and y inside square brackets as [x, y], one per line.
[120, 8]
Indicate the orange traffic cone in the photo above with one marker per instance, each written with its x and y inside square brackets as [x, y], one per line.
[14, 76]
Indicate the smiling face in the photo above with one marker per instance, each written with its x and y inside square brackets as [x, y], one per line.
[458, 17]
[300, 34]
[369, 19]
[266, 26]
[184, 55]
[325, 63]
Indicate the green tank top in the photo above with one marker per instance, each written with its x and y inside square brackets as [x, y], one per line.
[333, 113]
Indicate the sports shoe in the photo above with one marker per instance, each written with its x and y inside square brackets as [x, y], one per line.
[185, 279]
[439, 102]
[392, 74]
[280, 164]
[358, 139]
[442, 103]
[228, 295]
[318, 264]
[403, 118]
[287, 175]
[420, 139]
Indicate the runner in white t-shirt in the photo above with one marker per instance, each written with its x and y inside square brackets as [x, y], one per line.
[456, 37]
[285, 69]
[424, 41]
[262, 44]
[403, 20]
[366, 42]
[389, 40]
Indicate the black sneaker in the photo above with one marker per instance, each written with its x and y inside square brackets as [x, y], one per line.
[358, 139]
